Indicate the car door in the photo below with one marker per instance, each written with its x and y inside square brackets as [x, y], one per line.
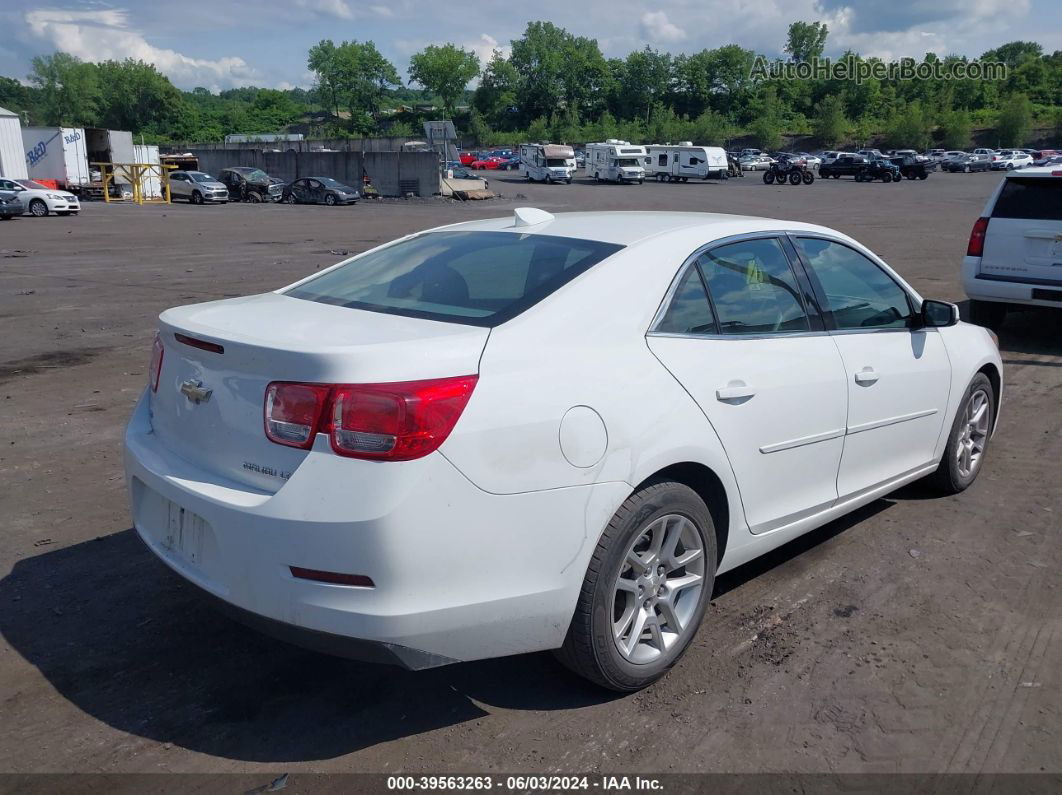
[179, 186]
[742, 335]
[898, 374]
[315, 191]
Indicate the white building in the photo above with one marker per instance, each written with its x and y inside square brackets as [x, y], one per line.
[12, 156]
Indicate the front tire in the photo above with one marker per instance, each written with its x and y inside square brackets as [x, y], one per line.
[197, 197]
[768, 178]
[290, 199]
[330, 200]
[646, 589]
[38, 208]
[968, 440]
[808, 177]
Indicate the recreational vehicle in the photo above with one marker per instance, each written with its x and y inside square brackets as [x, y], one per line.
[682, 161]
[615, 161]
[547, 162]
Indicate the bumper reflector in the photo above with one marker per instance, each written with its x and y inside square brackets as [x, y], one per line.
[332, 577]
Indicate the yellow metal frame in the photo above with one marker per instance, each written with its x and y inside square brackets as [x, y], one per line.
[137, 174]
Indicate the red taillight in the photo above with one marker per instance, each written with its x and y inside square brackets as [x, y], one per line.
[389, 422]
[399, 421]
[155, 368]
[976, 246]
[293, 412]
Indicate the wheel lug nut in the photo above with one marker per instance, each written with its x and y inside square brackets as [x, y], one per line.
[660, 571]
[661, 591]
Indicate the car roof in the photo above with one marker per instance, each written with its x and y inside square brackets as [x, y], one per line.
[630, 227]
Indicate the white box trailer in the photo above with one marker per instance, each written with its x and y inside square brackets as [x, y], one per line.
[109, 146]
[615, 161]
[12, 155]
[149, 154]
[57, 153]
[547, 163]
[684, 161]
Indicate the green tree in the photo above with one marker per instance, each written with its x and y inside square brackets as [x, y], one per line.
[134, 95]
[955, 129]
[353, 75]
[495, 97]
[69, 89]
[766, 128]
[830, 124]
[445, 70]
[806, 40]
[1015, 121]
[909, 128]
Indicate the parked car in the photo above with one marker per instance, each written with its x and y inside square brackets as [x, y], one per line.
[319, 190]
[1014, 247]
[810, 160]
[953, 154]
[39, 200]
[911, 153]
[197, 187]
[10, 205]
[1009, 160]
[967, 163]
[759, 162]
[249, 184]
[936, 155]
[492, 163]
[419, 466]
[1041, 156]
[1054, 160]
[463, 172]
[986, 152]
[467, 158]
[830, 155]
[913, 168]
[863, 169]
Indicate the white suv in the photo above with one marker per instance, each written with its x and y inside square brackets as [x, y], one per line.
[1015, 250]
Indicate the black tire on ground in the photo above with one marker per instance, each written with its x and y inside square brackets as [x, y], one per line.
[38, 208]
[948, 478]
[923, 175]
[330, 199]
[911, 175]
[859, 177]
[254, 197]
[990, 314]
[290, 199]
[768, 178]
[6, 217]
[589, 648]
[807, 177]
[197, 197]
[794, 178]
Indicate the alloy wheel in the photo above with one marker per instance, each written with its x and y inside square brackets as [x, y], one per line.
[657, 589]
[973, 433]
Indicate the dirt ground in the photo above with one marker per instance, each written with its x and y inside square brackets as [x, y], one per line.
[918, 635]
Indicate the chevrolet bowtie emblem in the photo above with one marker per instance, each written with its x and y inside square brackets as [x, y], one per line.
[195, 391]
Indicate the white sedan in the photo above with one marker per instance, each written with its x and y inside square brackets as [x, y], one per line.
[39, 199]
[543, 432]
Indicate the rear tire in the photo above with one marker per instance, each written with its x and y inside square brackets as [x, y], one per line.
[990, 314]
[807, 177]
[968, 440]
[768, 178]
[794, 178]
[254, 198]
[290, 199]
[615, 594]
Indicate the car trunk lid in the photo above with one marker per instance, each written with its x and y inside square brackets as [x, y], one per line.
[1024, 238]
[221, 356]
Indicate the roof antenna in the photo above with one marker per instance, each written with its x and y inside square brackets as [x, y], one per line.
[531, 216]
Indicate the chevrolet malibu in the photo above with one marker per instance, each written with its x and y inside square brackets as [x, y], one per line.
[543, 432]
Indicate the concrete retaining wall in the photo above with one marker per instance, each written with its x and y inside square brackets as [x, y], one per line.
[393, 173]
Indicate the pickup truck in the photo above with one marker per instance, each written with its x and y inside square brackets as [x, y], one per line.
[864, 169]
[912, 168]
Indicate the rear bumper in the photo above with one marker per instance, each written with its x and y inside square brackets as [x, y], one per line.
[459, 574]
[1005, 290]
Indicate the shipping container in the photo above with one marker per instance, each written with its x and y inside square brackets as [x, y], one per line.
[12, 156]
[56, 153]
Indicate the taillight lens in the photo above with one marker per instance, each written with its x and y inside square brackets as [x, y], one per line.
[293, 412]
[390, 422]
[976, 246]
[399, 421]
[155, 368]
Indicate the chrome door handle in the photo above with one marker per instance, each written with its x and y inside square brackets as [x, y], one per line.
[866, 376]
[735, 390]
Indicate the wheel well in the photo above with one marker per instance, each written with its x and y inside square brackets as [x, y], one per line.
[710, 489]
[995, 379]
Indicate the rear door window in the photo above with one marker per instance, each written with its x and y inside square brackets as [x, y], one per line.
[753, 288]
[477, 278]
[1033, 198]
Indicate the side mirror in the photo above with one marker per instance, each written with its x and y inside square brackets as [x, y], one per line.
[937, 314]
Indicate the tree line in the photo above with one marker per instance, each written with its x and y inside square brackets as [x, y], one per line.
[554, 85]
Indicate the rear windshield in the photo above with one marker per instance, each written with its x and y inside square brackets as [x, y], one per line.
[1035, 198]
[477, 278]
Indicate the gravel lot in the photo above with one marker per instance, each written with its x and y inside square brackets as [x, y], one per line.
[917, 635]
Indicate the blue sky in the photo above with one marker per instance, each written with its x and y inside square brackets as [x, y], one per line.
[225, 43]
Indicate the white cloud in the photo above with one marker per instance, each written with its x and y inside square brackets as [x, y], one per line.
[329, 8]
[485, 46]
[657, 27]
[103, 35]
